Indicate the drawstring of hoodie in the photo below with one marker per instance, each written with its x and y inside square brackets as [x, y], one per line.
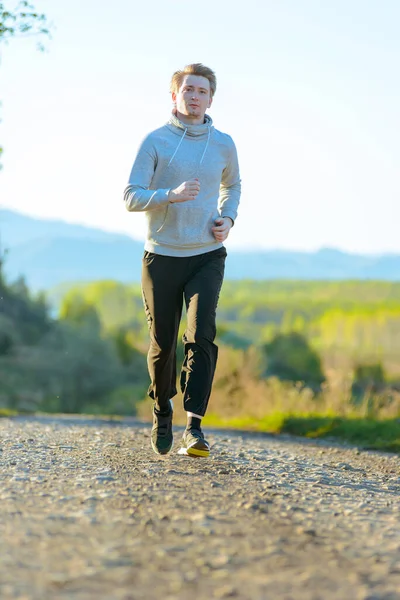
[172, 158]
[205, 149]
[178, 146]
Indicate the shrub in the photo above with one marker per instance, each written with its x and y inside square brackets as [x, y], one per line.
[289, 357]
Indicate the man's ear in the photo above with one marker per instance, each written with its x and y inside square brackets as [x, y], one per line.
[173, 97]
[210, 102]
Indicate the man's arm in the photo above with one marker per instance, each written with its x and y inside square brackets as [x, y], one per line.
[230, 188]
[137, 196]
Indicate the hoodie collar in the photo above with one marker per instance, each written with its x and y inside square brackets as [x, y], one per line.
[191, 130]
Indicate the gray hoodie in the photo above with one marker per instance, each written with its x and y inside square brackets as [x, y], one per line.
[166, 158]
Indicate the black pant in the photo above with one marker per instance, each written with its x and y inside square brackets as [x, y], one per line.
[166, 281]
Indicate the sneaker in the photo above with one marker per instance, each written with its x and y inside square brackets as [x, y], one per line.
[194, 444]
[161, 432]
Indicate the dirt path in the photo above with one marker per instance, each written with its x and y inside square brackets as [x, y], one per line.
[88, 511]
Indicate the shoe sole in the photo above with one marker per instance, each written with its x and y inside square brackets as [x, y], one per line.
[194, 452]
[163, 451]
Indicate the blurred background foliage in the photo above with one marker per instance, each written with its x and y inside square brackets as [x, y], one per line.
[284, 345]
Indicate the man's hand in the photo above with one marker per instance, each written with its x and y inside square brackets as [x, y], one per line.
[222, 228]
[188, 190]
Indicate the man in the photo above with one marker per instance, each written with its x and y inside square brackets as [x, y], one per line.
[186, 178]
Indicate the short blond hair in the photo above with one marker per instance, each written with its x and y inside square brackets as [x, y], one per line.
[194, 69]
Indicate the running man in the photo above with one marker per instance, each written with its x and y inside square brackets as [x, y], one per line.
[185, 177]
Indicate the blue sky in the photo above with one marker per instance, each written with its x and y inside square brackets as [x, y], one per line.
[308, 90]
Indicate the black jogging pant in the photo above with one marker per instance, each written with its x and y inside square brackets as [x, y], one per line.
[167, 281]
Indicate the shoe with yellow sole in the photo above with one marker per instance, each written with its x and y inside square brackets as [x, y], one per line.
[193, 444]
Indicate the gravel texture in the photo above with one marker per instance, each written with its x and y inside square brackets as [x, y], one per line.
[89, 511]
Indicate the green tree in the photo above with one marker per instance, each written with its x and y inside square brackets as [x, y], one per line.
[77, 311]
[24, 322]
[123, 339]
[81, 368]
[22, 19]
[290, 358]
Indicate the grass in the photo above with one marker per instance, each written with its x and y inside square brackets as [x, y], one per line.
[276, 407]
[7, 412]
[365, 433]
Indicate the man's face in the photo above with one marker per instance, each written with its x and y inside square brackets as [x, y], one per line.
[193, 97]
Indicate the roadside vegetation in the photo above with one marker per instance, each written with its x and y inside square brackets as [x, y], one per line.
[319, 359]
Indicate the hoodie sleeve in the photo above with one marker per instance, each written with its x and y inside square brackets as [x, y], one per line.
[230, 188]
[137, 195]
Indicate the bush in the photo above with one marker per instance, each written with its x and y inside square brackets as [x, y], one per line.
[289, 357]
[368, 377]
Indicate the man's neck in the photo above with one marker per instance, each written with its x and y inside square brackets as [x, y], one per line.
[190, 120]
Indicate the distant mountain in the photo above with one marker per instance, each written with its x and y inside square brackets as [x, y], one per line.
[48, 253]
[16, 228]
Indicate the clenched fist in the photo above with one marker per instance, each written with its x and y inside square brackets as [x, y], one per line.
[188, 190]
[222, 227]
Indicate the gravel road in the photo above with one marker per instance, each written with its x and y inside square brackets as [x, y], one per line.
[88, 511]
